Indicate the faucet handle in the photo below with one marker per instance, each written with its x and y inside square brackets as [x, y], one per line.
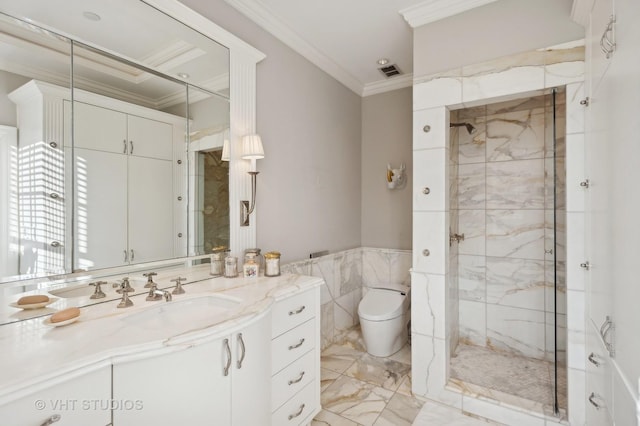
[149, 276]
[178, 289]
[125, 302]
[125, 286]
[98, 294]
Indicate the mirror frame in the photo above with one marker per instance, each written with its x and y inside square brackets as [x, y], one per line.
[243, 60]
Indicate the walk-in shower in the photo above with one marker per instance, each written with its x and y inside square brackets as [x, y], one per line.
[507, 252]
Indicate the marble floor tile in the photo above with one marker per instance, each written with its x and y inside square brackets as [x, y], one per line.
[339, 357]
[327, 377]
[405, 386]
[400, 411]
[327, 418]
[382, 372]
[433, 414]
[403, 355]
[355, 400]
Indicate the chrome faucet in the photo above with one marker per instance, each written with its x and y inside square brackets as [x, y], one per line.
[155, 294]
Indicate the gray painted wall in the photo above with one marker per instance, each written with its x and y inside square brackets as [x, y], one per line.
[498, 29]
[386, 138]
[309, 182]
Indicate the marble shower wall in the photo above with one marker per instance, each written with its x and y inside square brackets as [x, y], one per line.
[434, 96]
[347, 275]
[505, 205]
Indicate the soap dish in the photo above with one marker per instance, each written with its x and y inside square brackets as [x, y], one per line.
[48, 322]
[34, 305]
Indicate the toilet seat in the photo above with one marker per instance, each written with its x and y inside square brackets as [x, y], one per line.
[381, 305]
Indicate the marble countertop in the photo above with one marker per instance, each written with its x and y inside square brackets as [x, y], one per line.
[35, 355]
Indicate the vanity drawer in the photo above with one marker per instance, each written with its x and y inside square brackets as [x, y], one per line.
[292, 379]
[297, 410]
[292, 345]
[291, 312]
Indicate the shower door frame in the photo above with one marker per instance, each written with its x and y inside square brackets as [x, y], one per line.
[433, 98]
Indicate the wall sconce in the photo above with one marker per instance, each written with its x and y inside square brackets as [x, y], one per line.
[225, 151]
[251, 150]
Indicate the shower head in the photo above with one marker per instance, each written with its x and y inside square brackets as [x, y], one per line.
[469, 127]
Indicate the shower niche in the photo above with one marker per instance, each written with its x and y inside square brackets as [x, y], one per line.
[507, 252]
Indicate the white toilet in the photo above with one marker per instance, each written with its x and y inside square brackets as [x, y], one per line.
[384, 316]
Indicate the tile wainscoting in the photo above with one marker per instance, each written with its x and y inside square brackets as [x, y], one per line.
[348, 274]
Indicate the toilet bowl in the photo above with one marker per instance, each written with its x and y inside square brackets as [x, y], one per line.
[384, 315]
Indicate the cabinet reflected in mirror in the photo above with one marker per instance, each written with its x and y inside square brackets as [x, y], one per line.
[121, 169]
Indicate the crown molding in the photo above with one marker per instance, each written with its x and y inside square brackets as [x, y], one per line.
[580, 11]
[434, 10]
[395, 83]
[258, 13]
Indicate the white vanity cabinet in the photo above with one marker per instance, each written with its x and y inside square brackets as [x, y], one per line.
[83, 399]
[295, 365]
[223, 382]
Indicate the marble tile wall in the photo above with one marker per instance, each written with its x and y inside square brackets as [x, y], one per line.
[474, 86]
[347, 275]
[505, 207]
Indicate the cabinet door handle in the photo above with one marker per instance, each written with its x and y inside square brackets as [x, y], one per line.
[56, 244]
[294, 381]
[296, 346]
[132, 255]
[593, 402]
[297, 311]
[294, 415]
[131, 149]
[126, 255]
[593, 360]
[228, 350]
[124, 142]
[242, 349]
[53, 419]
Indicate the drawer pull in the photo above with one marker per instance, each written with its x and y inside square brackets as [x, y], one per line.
[592, 398]
[297, 311]
[294, 381]
[296, 346]
[228, 350]
[293, 416]
[593, 360]
[53, 419]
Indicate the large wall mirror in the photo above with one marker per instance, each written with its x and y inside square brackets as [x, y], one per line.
[113, 116]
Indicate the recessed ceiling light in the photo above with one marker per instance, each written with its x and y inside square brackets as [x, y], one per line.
[183, 75]
[383, 61]
[91, 16]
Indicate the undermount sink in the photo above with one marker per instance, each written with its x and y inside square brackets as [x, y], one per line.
[189, 312]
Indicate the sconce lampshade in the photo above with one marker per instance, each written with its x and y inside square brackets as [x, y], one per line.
[252, 147]
[225, 151]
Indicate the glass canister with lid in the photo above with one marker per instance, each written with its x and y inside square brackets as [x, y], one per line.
[217, 260]
[259, 259]
[272, 264]
[250, 268]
